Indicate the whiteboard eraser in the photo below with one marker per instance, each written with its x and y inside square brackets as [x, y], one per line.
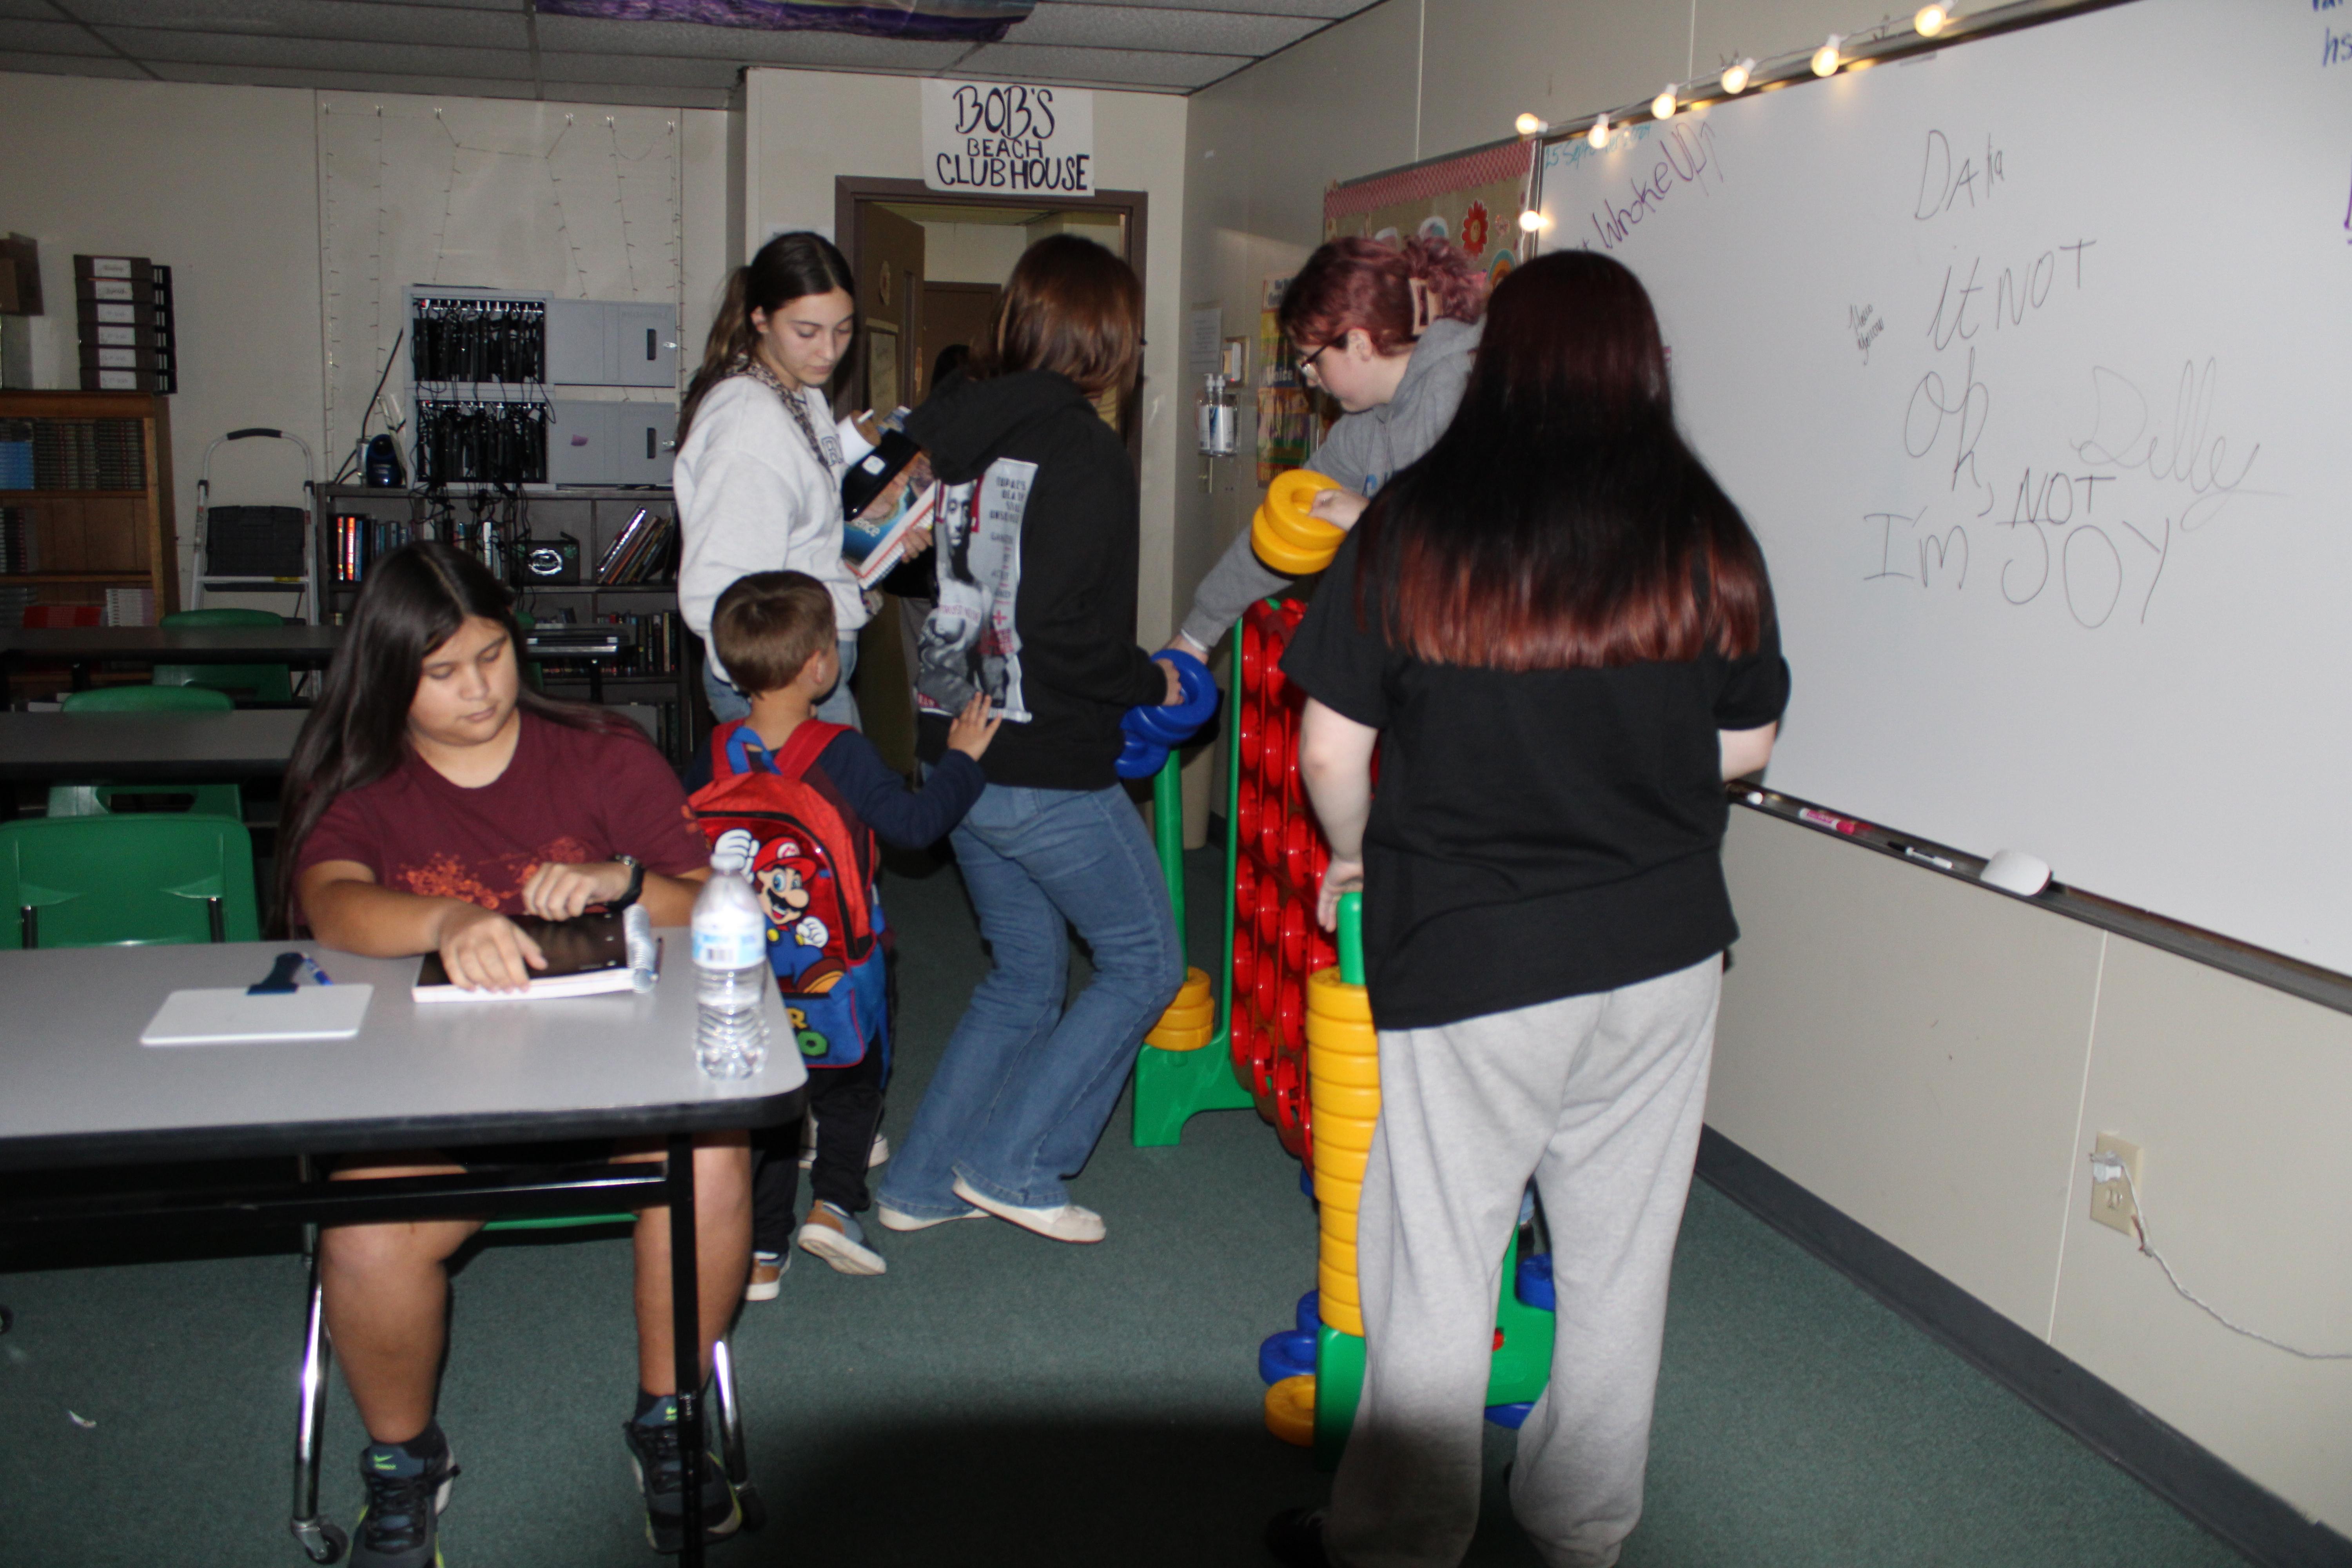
[2015, 871]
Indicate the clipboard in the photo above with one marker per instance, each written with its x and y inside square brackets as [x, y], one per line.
[234, 1015]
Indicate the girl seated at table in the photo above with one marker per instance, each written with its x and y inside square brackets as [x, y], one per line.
[433, 796]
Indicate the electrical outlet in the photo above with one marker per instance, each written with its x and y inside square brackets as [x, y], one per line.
[2111, 1202]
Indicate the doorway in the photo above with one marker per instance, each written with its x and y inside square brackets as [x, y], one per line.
[930, 271]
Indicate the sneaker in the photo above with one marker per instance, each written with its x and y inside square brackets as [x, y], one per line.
[654, 1455]
[833, 1234]
[1295, 1537]
[880, 1154]
[1064, 1222]
[897, 1219]
[399, 1526]
[767, 1275]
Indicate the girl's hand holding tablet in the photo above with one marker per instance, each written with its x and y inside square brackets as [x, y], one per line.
[484, 950]
[557, 890]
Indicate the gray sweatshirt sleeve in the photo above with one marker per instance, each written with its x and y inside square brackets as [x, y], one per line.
[1237, 580]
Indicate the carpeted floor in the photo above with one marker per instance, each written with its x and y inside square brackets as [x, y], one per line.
[998, 1399]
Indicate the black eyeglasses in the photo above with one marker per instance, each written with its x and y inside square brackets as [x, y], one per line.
[1308, 363]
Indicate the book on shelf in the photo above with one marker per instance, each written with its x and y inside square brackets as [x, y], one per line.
[63, 617]
[640, 553]
[20, 540]
[130, 607]
[586, 956]
[361, 541]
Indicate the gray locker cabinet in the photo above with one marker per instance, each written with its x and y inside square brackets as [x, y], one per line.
[644, 440]
[579, 349]
[611, 443]
[641, 344]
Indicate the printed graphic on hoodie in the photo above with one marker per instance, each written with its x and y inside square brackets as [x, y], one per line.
[968, 643]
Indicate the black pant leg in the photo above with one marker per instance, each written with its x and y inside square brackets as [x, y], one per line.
[776, 1181]
[848, 1105]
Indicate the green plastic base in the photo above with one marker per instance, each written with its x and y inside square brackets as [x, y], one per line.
[1518, 1373]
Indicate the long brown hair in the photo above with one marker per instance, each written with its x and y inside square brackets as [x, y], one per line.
[414, 601]
[1072, 307]
[1560, 522]
[788, 267]
[1350, 284]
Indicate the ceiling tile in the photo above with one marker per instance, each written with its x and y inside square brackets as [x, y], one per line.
[343, 81]
[1329, 10]
[155, 45]
[69, 65]
[743, 46]
[344, 19]
[646, 70]
[49, 38]
[1149, 27]
[1098, 67]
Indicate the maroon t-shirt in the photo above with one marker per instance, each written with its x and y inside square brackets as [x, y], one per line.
[570, 796]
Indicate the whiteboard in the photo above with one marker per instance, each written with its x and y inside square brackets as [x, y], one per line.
[575, 200]
[2030, 362]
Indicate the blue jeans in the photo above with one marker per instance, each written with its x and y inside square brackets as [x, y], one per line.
[838, 708]
[1025, 1087]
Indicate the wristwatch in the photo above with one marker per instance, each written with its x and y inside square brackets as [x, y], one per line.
[636, 882]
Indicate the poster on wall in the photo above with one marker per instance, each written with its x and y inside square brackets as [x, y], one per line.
[882, 366]
[1005, 138]
[1473, 200]
[1285, 410]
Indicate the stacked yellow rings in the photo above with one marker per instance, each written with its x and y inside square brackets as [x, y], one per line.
[1189, 1020]
[1285, 537]
[1343, 1078]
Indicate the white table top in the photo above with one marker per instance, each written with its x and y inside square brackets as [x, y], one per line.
[77, 1088]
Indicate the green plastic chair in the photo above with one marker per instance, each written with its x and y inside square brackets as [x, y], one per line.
[96, 799]
[530, 670]
[262, 682]
[95, 881]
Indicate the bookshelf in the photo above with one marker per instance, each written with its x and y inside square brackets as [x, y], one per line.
[665, 672]
[86, 506]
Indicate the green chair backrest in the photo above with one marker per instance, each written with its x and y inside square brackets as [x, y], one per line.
[148, 699]
[266, 682]
[89, 881]
[96, 799]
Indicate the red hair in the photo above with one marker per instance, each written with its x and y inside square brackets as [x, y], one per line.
[1351, 284]
[1560, 522]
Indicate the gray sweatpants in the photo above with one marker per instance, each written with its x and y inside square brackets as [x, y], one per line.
[1599, 1099]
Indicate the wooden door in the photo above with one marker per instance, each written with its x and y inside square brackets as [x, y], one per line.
[957, 313]
[889, 264]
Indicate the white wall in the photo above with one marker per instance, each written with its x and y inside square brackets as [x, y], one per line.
[804, 128]
[221, 183]
[1932, 1058]
[971, 252]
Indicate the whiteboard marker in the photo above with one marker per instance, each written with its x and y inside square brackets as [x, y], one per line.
[1921, 856]
[1834, 822]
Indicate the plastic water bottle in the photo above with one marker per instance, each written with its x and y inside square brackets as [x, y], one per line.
[731, 968]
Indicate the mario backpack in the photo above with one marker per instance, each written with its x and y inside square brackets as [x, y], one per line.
[812, 868]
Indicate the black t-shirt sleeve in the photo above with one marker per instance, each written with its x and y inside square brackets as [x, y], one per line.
[1754, 689]
[909, 819]
[1342, 660]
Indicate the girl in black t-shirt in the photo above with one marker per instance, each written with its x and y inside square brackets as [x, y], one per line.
[1557, 632]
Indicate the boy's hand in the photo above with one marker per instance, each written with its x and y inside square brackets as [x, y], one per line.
[972, 729]
[484, 950]
[1175, 683]
[1338, 877]
[1341, 509]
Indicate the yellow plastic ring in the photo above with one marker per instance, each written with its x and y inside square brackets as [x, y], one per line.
[1334, 998]
[1341, 1035]
[1337, 1225]
[1179, 1039]
[1343, 1131]
[1291, 493]
[1338, 1286]
[1332, 1099]
[1298, 529]
[1195, 987]
[1285, 559]
[1348, 1319]
[1345, 1164]
[1338, 1254]
[1338, 1194]
[1344, 1067]
[1197, 1015]
[1291, 1410]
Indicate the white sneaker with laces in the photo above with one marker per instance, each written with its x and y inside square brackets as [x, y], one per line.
[1065, 1222]
[895, 1219]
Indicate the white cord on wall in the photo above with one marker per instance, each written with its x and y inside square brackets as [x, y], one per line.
[2108, 1167]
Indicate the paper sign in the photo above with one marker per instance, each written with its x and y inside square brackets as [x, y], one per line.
[1008, 138]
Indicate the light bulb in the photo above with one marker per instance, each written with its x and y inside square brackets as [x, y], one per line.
[1599, 134]
[1735, 78]
[1930, 19]
[1530, 221]
[1663, 106]
[1530, 125]
[1825, 59]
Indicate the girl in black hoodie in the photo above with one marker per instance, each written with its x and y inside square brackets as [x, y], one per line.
[1037, 537]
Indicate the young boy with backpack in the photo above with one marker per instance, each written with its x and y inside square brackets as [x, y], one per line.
[807, 798]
